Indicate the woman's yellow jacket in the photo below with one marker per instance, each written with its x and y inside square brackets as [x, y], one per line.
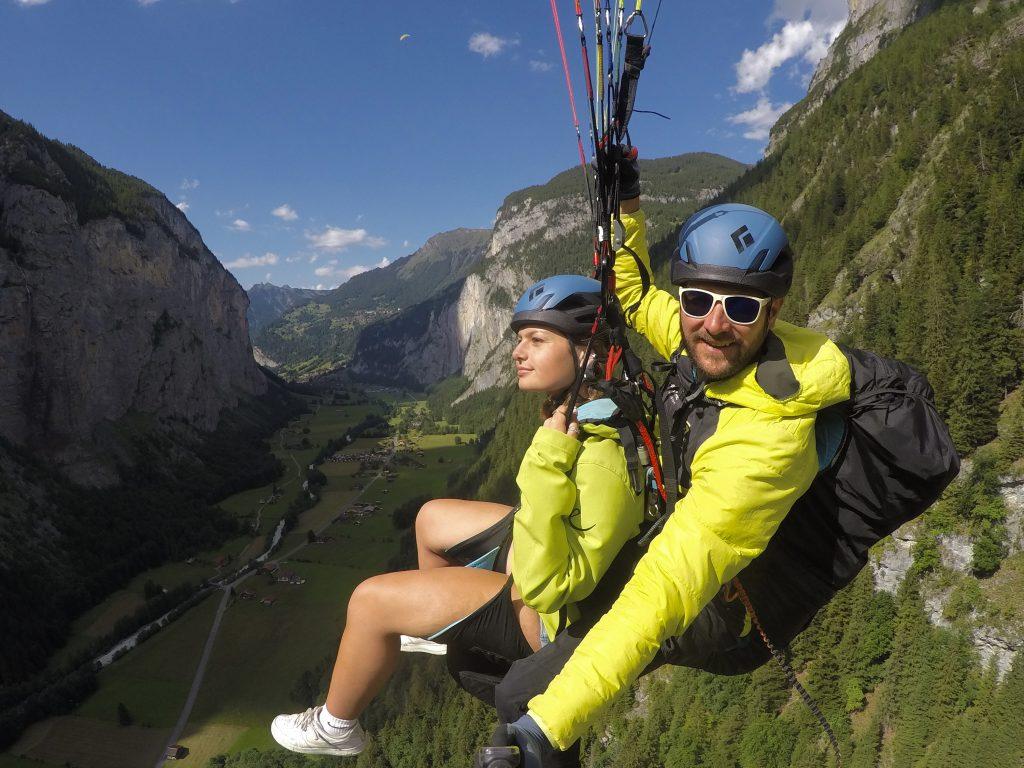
[744, 478]
[576, 510]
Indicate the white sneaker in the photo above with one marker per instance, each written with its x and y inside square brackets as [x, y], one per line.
[304, 733]
[419, 645]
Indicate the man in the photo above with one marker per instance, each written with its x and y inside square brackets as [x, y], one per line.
[739, 411]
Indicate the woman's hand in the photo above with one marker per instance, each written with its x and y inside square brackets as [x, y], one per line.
[558, 421]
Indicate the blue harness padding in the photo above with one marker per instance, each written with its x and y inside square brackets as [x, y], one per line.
[596, 411]
[829, 433]
[486, 561]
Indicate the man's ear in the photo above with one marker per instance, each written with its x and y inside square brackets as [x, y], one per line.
[774, 308]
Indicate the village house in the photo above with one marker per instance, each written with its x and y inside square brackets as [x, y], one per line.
[290, 577]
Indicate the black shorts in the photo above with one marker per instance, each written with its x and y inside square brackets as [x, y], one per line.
[487, 549]
[491, 632]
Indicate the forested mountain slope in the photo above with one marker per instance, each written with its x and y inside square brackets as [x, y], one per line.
[268, 303]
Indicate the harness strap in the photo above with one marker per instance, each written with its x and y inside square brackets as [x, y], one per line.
[628, 441]
[636, 56]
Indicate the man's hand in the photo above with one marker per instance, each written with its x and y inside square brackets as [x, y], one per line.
[532, 748]
[628, 160]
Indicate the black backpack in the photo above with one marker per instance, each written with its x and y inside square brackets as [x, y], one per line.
[885, 455]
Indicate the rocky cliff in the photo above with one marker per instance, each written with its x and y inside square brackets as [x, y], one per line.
[538, 231]
[321, 334]
[110, 304]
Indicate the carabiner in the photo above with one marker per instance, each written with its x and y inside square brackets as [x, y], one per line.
[629, 22]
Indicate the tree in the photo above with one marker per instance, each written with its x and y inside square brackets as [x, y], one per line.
[124, 717]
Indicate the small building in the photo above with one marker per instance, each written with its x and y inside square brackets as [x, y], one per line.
[268, 600]
[176, 752]
[246, 594]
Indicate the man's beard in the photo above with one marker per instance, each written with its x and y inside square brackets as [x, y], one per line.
[732, 369]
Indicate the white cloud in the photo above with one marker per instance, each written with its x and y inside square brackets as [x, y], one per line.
[266, 260]
[285, 213]
[293, 259]
[809, 29]
[240, 225]
[320, 287]
[266, 277]
[488, 45]
[341, 274]
[539, 66]
[183, 206]
[188, 184]
[337, 239]
[755, 68]
[148, 2]
[759, 119]
[28, 3]
[405, 243]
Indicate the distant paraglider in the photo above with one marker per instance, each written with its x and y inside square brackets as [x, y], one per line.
[404, 37]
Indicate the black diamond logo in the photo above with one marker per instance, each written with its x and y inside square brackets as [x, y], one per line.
[742, 239]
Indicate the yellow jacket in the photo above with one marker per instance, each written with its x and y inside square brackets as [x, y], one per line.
[576, 510]
[744, 478]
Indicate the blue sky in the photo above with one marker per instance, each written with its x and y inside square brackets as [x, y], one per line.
[307, 142]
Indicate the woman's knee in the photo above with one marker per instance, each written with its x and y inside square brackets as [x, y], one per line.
[429, 521]
[369, 597]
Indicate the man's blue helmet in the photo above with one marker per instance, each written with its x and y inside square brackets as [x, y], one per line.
[735, 244]
[565, 303]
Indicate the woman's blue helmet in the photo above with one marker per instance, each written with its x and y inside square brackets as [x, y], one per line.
[735, 244]
[565, 303]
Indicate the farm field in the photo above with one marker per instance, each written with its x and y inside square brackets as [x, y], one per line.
[264, 653]
[328, 421]
[266, 659]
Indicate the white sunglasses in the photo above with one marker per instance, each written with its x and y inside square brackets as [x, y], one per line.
[739, 309]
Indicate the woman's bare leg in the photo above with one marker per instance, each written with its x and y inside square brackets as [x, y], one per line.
[443, 523]
[407, 602]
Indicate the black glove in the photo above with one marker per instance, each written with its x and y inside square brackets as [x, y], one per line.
[628, 160]
[521, 743]
[502, 752]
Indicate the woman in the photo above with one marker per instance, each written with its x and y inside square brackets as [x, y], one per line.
[577, 509]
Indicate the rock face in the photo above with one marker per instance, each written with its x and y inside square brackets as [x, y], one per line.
[871, 24]
[1011, 488]
[538, 231]
[996, 647]
[323, 332]
[956, 552]
[892, 566]
[110, 304]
